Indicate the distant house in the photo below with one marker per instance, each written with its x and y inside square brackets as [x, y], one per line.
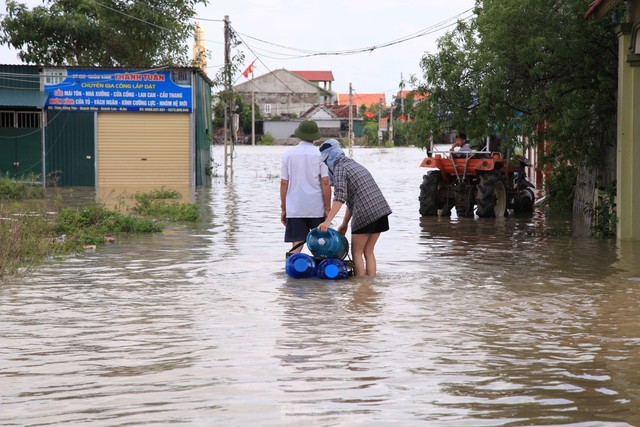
[284, 93]
[330, 112]
[417, 96]
[360, 99]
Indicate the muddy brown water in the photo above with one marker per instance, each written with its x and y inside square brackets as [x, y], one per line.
[507, 322]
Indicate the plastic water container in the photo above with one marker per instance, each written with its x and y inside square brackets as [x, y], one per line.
[332, 268]
[327, 244]
[300, 266]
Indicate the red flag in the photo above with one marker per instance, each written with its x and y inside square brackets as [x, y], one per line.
[248, 71]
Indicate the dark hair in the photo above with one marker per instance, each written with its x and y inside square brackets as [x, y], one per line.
[461, 135]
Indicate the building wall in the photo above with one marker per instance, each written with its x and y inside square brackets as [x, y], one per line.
[203, 123]
[285, 128]
[628, 158]
[20, 147]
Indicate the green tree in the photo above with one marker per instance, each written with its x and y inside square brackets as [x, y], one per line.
[140, 33]
[242, 109]
[370, 133]
[540, 71]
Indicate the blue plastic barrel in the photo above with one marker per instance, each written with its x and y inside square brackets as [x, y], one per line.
[332, 268]
[300, 266]
[327, 244]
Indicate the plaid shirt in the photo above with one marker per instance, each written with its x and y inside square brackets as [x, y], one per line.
[354, 185]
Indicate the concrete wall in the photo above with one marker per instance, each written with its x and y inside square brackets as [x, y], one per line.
[284, 128]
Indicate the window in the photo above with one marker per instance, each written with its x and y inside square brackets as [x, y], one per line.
[28, 119]
[267, 108]
[20, 119]
[53, 76]
[181, 77]
[6, 119]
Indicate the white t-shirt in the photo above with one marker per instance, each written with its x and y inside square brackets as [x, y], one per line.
[301, 166]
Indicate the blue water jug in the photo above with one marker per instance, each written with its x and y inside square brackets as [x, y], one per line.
[300, 266]
[327, 244]
[332, 268]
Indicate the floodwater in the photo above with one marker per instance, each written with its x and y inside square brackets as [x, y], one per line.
[492, 322]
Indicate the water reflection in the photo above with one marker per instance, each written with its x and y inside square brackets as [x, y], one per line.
[330, 350]
[514, 321]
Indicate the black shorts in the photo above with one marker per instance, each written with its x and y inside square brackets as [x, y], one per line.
[378, 226]
[297, 228]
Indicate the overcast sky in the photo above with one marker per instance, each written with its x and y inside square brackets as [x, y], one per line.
[296, 35]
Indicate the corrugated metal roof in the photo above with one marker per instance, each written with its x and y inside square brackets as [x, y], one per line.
[22, 98]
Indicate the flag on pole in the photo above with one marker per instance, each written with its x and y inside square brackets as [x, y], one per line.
[249, 70]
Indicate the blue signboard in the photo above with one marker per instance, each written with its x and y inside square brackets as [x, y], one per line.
[109, 90]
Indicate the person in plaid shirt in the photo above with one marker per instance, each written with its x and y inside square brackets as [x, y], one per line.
[367, 209]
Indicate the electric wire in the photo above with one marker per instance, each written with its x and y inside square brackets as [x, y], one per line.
[424, 32]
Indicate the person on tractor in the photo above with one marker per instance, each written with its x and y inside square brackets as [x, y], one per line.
[461, 144]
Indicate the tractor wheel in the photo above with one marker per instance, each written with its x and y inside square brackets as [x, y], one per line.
[429, 193]
[523, 203]
[491, 198]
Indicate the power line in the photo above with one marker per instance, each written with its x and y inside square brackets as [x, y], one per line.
[131, 16]
[424, 32]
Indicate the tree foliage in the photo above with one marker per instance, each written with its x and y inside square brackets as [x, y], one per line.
[118, 33]
[519, 69]
[241, 108]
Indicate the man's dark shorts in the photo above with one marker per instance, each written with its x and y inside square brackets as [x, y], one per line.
[298, 228]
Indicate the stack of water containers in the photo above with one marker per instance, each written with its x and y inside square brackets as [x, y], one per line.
[329, 249]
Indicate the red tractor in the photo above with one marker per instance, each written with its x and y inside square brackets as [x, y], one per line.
[480, 182]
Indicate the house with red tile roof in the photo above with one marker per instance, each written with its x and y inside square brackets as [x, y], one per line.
[417, 96]
[366, 99]
[284, 93]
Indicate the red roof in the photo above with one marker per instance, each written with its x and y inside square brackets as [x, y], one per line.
[342, 111]
[359, 99]
[601, 7]
[315, 76]
[339, 111]
[417, 96]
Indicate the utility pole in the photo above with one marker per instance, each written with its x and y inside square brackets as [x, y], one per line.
[401, 94]
[350, 121]
[390, 127]
[379, 121]
[228, 102]
[253, 110]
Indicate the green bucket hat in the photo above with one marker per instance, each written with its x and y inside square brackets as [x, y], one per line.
[307, 130]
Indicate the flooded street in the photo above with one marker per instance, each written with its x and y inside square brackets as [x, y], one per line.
[492, 322]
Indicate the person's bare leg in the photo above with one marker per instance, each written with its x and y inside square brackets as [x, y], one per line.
[369, 255]
[298, 249]
[358, 242]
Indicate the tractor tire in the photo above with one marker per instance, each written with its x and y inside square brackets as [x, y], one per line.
[524, 201]
[429, 193]
[491, 199]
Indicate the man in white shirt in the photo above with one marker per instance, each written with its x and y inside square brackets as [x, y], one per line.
[305, 194]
